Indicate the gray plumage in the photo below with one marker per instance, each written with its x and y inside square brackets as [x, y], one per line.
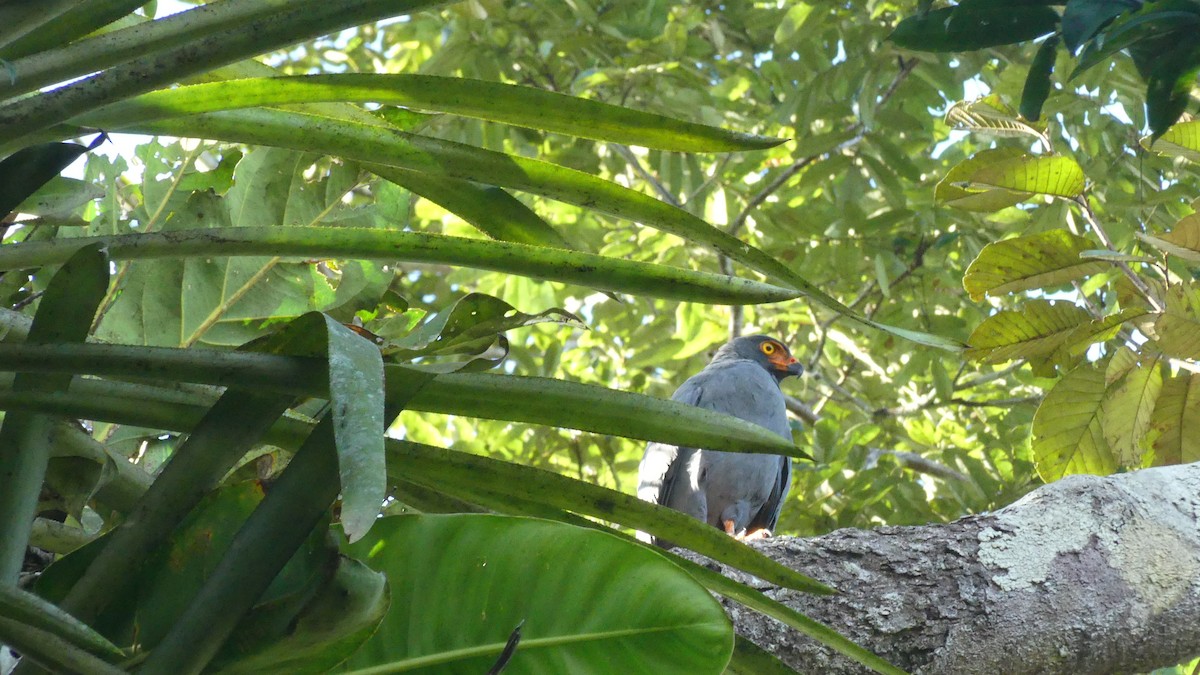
[748, 490]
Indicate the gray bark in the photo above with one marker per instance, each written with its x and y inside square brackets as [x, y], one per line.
[1085, 575]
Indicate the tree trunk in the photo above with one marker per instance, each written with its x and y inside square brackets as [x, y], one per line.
[1085, 575]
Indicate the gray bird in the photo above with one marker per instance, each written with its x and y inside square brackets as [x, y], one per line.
[740, 493]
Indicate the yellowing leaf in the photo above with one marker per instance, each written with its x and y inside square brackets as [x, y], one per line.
[1034, 261]
[1181, 140]
[1039, 328]
[1049, 175]
[1183, 240]
[1126, 412]
[1176, 331]
[990, 115]
[1068, 437]
[1176, 419]
[957, 189]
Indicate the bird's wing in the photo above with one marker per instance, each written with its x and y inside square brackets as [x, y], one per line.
[659, 471]
[768, 516]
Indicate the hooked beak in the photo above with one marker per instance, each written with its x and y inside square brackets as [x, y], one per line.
[786, 365]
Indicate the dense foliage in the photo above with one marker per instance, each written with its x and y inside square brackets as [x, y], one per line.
[460, 224]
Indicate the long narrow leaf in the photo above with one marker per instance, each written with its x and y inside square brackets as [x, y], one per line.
[32, 611]
[531, 400]
[64, 315]
[585, 269]
[494, 101]
[51, 651]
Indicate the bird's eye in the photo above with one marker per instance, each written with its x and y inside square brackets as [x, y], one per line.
[768, 348]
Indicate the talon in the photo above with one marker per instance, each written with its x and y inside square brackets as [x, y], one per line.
[755, 535]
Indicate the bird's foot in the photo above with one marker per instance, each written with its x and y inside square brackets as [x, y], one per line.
[755, 535]
[728, 523]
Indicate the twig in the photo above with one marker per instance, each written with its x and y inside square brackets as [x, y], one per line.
[1090, 216]
[915, 462]
[650, 178]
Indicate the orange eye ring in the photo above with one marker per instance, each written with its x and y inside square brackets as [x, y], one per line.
[768, 348]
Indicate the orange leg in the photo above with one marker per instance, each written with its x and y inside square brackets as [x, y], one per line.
[728, 523]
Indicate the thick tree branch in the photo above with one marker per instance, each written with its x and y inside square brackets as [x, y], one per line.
[1086, 575]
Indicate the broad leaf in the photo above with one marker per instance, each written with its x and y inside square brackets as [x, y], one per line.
[991, 115]
[1176, 330]
[1039, 328]
[1068, 434]
[974, 24]
[1081, 19]
[1176, 421]
[1037, 261]
[1183, 240]
[1126, 412]
[602, 601]
[1048, 175]
[958, 188]
[28, 169]
[1181, 140]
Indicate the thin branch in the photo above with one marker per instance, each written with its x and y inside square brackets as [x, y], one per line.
[1085, 208]
[650, 178]
[915, 462]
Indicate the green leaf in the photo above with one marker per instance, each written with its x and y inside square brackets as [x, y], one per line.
[793, 22]
[1175, 421]
[64, 314]
[433, 467]
[48, 650]
[610, 274]
[958, 188]
[345, 612]
[32, 611]
[1181, 140]
[490, 210]
[1126, 412]
[493, 101]
[1082, 19]
[1172, 78]
[356, 403]
[1151, 22]
[28, 169]
[1037, 82]
[1048, 175]
[1038, 328]
[1036, 261]
[974, 25]
[1068, 434]
[588, 607]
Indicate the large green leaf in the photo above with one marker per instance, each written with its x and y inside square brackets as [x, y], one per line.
[1036, 261]
[24, 171]
[344, 613]
[1037, 82]
[225, 300]
[588, 601]
[1150, 22]
[1081, 19]
[624, 276]
[494, 101]
[1068, 433]
[974, 24]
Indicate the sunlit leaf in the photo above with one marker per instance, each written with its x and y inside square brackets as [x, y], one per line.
[1126, 412]
[1181, 140]
[1068, 434]
[1043, 260]
[1176, 330]
[958, 189]
[1038, 328]
[1176, 420]
[588, 607]
[1048, 175]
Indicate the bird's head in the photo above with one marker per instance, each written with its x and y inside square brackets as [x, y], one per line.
[766, 351]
